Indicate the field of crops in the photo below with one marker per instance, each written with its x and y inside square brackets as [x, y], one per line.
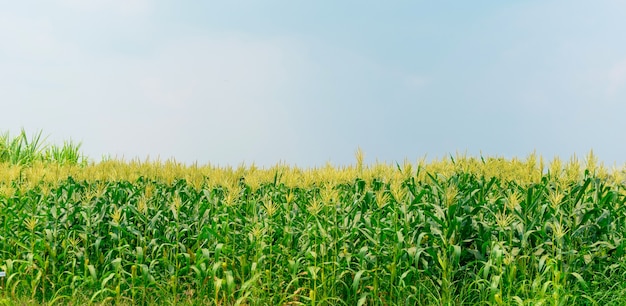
[460, 230]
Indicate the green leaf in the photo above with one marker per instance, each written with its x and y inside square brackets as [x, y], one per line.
[580, 279]
[362, 300]
[357, 280]
[106, 280]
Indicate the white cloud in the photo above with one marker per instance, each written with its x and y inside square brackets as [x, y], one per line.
[617, 78]
[416, 81]
[216, 97]
[29, 38]
[122, 7]
[217, 80]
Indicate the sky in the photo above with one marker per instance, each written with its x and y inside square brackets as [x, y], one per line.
[308, 82]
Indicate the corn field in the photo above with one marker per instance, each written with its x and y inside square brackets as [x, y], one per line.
[455, 231]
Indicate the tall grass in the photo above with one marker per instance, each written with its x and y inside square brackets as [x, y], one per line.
[22, 150]
[461, 231]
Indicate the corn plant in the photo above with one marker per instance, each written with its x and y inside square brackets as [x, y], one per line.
[22, 150]
[456, 231]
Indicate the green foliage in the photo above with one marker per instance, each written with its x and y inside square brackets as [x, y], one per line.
[462, 239]
[453, 232]
[21, 150]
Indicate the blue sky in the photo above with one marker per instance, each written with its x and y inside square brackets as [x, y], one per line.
[307, 82]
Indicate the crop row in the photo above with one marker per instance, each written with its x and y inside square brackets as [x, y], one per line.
[462, 238]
